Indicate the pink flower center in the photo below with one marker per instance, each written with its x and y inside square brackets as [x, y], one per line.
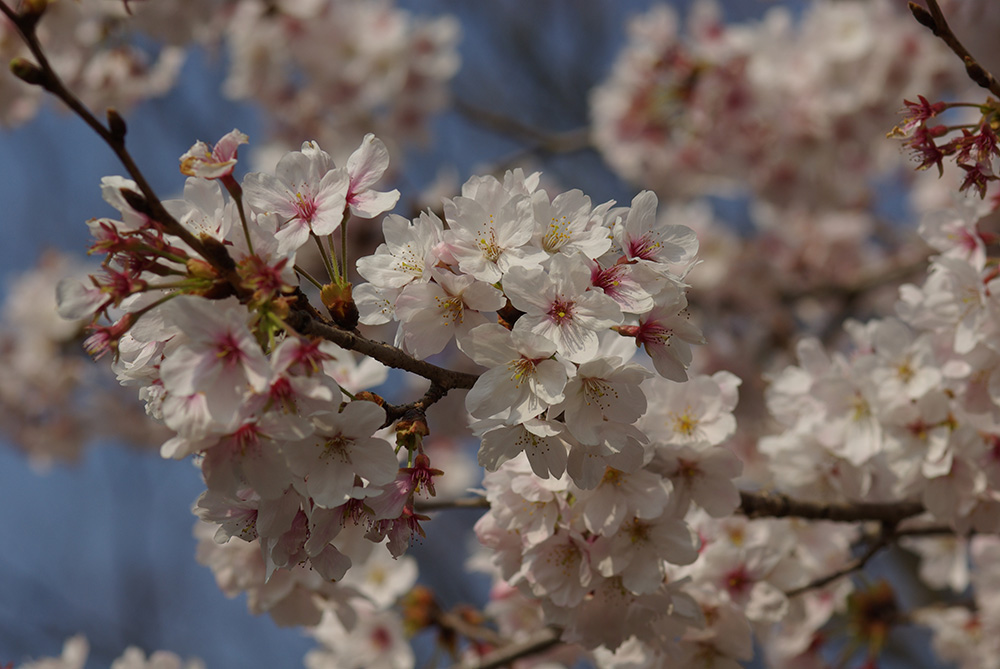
[644, 247]
[561, 312]
[228, 350]
[305, 207]
[738, 581]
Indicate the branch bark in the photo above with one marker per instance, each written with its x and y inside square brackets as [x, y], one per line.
[537, 643]
[391, 356]
[933, 18]
[776, 505]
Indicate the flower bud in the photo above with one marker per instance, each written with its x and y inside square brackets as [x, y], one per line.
[26, 71]
[116, 124]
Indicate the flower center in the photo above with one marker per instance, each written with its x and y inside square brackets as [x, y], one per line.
[561, 312]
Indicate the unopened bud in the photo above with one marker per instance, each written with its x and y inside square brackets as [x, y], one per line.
[200, 269]
[116, 124]
[31, 12]
[419, 608]
[977, 73]
[923, 17]
[26, 71]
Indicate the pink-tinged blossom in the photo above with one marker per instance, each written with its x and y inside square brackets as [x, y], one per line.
[79, 299]
[566, 225]
[558, 569]
[366, 166]
[215, 162]
[587, 464]
[698, 411]
[377, 641]
[490, 230]
[407, 253]
[559, 306]
[638, 550]
[744, 576]
[633, 286]
[307, 192]
[220, 357]
[541, 441]
[621, 495]
[522, 502]
[341, 449]
[955, 231]
[399, 531]
[604, 399]
[202, 210]
[111, 191]
[522, 380]
[376, 306]
[300, 387]
[251, 456]
[642, 238]
[236, 515]
[703, 475]
[667, 335]
[430, 314]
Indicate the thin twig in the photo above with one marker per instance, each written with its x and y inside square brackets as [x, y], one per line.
[537, 643]
[884, 538]
[568, 141]
[51, 82]
[433, 395]
[388, 355]
[454, 503]
[934, 19]
[455, 622]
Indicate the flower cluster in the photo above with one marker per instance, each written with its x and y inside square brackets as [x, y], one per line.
[90, 47]
[329, 69]
[54, 401]
[289, 456]
[76, 649]
[791, 109]
[575, 286]
[973, 150]
[602, 545]
[337, 69]
[912, 414]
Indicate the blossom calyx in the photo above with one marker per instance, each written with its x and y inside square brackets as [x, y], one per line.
[339, 301]
[411, 430]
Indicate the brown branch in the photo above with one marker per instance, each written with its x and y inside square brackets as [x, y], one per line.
[766, 505]
[934, 19]
[45, 76]
[456, 623]
[459, 503]
[855, 289]
[544, 142]
[391, 356]
[884, 538]
[931, 531]
[537, 643]
[775, 505]
[42, 74]
[434, 394]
